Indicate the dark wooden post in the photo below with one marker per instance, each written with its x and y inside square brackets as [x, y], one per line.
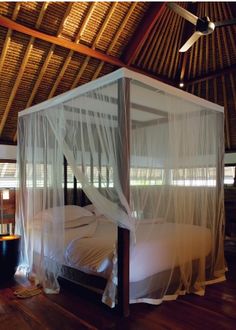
[123, 168]
[75, 199]
[99, 165]
[220, 212]
[65, 181]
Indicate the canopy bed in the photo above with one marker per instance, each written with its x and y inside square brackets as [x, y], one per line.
[149, 157]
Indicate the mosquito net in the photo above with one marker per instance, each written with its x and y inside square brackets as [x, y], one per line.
[165, 145]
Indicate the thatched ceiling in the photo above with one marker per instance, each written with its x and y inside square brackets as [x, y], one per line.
[48, 48]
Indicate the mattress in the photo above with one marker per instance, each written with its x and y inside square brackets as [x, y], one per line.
[156, 253]
[158, 248]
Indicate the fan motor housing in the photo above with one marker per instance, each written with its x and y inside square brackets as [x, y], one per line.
[205, 26]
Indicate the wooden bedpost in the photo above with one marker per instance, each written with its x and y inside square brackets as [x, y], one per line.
[75, 199]
[65, 181]
[220, 212]
[124, 169]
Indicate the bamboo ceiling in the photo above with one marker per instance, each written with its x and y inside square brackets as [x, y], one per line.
[48, 48]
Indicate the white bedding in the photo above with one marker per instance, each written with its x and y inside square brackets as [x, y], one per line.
[158, 253]
[78, 223]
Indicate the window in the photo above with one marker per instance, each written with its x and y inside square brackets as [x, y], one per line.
[229, 175]
[146, 176]
[195, 177]
[8, 175]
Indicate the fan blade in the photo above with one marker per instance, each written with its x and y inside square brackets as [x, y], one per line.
[183, 12]
[225, 23]
[190, 41]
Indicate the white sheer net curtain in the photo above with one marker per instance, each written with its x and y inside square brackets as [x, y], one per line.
[176, 185]
[40, 162]
[90, 143]
[85, 130]
[177, 192]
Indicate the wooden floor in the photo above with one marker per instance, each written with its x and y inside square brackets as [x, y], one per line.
[216, 310]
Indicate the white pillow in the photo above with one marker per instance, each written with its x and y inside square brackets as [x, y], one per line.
[80, 222]
[93, 209]
[71, 212]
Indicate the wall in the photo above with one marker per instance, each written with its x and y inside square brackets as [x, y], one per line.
[8, 153]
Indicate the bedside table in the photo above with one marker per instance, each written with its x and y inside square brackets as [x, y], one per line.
[230, 220]
[9, 256]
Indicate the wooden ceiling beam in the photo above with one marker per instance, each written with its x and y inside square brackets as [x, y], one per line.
[60, 42]
[144, 28]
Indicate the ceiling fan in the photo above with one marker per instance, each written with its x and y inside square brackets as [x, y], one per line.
[203, 25]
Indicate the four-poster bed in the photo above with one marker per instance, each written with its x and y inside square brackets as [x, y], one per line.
[149, 157]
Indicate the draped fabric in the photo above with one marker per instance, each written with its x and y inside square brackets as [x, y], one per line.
[175, 171]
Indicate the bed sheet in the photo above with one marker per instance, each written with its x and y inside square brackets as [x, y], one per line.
[157, 248]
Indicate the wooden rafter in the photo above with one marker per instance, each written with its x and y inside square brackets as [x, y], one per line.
[104, 25]
[143, 31]
[207, 59]
[8, 37]
[159, 62]
[212, 75]
[230, 30]
[114, 40]
[98, 70]
[86, 61]
[233, 44]
[85, 22]
[233, 87]
[168, 67]
[81, 71]
[123, 24]
[225, 92]
[226, 112]
[186, 34]
[60, 42]
[21, 71]
[221, 15]
[217, 35]
[152, 44]
[214, 63]
[69, 56]
[46, 62]
[201, 40]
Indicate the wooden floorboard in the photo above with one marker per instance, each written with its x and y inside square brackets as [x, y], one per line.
[76, 309]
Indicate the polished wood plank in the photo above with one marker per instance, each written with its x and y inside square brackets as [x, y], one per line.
[75, 308]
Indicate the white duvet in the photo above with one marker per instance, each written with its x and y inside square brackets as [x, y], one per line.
[159, 247]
